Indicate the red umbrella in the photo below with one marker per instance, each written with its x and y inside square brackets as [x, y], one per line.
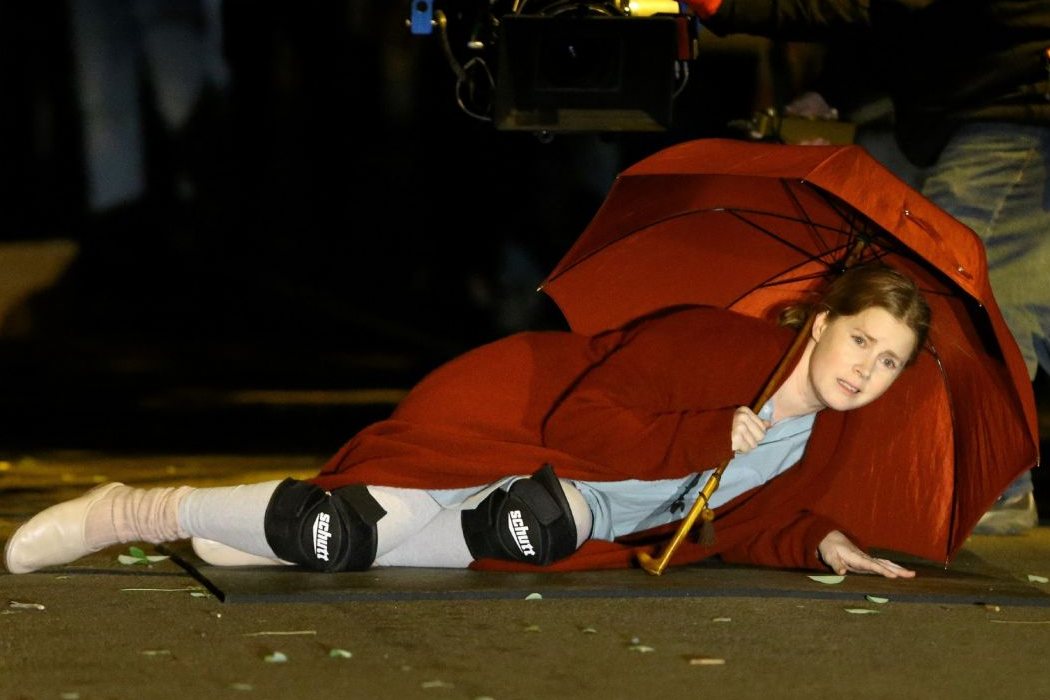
[751, 226]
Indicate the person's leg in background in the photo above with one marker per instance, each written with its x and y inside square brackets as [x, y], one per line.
[105, 43]
[995, 178]
[117, 44]
[181, 46]
[149, 77]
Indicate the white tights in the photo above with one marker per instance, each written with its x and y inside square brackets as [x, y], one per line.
[416, 530]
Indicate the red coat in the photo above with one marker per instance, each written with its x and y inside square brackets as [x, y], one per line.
[654, 400]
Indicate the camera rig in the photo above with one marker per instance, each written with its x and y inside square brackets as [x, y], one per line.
[560, 66]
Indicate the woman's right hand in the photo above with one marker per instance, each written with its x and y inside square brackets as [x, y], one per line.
[748, 430]
[842, 556]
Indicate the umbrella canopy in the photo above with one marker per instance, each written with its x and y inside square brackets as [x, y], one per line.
[750, 227]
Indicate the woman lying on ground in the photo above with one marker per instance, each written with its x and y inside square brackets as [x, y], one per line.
[613, 430]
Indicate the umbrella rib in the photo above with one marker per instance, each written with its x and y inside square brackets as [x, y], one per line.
[732, 211]
[953, 517]
[804, 213]
[846, 214]
[856, 224]
[740, 214]
[780, 277]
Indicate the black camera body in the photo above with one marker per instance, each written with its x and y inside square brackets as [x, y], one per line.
[586, 73]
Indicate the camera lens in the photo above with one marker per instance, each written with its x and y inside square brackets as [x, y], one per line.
[575, 57]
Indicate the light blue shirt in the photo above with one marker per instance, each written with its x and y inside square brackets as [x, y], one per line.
[622, 507]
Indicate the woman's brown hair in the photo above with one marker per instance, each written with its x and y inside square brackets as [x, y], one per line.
[863, 287]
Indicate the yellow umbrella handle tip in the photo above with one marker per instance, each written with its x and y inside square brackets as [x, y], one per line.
[652, 566]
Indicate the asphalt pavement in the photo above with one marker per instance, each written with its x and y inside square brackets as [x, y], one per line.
[101, 628]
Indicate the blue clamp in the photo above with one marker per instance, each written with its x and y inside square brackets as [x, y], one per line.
[422, 12]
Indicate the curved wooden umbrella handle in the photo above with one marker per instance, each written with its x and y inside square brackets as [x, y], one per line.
[656, 566]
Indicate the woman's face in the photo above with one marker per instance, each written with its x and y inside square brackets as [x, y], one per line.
[857, 358]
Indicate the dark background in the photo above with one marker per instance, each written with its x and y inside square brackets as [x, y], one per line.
[350, 227]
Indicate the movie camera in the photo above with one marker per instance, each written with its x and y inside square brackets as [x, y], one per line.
[560, 66]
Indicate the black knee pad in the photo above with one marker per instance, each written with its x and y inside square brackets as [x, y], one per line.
[530, 522]
[335, 531]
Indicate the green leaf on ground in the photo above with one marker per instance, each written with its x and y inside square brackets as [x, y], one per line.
[828, 578]
[135, 555]
[876, 599]
[1038, 579]
[339, 654]
[275, 658]
[862, 611]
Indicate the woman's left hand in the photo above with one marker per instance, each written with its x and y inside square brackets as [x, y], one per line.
[839, 553]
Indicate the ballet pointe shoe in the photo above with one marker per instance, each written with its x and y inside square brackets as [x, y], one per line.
[55, 535]
[219, 554]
